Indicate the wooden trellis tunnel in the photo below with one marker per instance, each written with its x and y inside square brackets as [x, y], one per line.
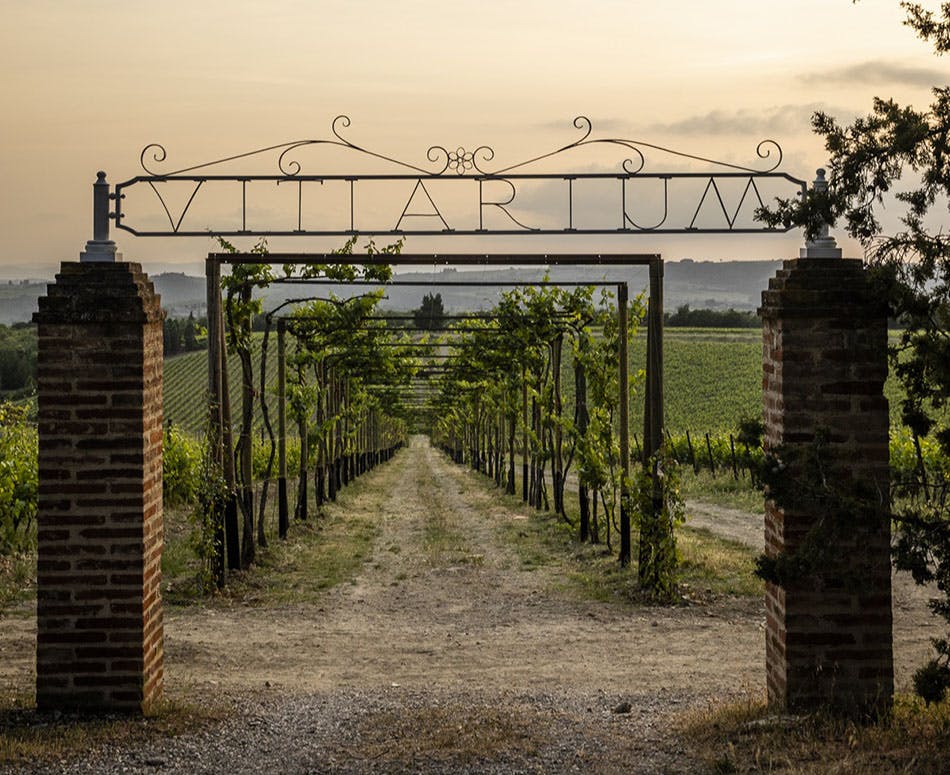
[653, 413]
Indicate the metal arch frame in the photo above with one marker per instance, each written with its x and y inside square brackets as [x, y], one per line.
[468, 168]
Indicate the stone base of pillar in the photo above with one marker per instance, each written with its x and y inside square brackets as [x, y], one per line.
[829, 631]
[99, 613]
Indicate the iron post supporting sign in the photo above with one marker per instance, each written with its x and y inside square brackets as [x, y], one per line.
[100, 248]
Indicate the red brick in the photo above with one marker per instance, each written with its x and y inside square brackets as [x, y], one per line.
[99, 384]
[824, 351]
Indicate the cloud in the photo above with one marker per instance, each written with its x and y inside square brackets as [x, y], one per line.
[775, 120]
[876, 72]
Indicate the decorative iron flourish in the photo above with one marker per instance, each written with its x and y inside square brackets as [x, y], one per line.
[459, 161]
[489, 208]
[763, 151]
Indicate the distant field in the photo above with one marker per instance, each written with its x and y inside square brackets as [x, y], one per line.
[713, 379]
[186, 387]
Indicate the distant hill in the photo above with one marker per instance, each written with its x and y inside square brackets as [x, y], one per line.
[18, 300]
[717, 284]
[181, 293]
[701, 284]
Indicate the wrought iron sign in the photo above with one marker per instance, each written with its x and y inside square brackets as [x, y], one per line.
[456, 191]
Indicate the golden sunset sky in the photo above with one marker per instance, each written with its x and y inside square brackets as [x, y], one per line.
[87, 84]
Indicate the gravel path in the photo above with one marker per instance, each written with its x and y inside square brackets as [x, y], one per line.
[398, 731]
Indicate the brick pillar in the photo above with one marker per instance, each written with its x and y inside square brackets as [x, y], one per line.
[99, 614]
[829, 634]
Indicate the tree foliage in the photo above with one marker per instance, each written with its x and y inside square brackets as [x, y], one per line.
[18, 478]
[901, 154]
[18, 347]
[181, 467]
[710, 318]
[431, 313]
[183, 335]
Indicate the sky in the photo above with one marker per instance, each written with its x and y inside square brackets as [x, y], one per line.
[87, 85]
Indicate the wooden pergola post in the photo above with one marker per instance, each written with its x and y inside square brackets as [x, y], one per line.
[215, 404]
[283, 519]
[650, 529]
[624, 411]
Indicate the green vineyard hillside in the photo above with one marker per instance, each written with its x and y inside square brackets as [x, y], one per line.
[713, 379]
[186, 387]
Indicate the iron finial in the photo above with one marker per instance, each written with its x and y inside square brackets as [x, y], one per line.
[823, 245]
[100, 248]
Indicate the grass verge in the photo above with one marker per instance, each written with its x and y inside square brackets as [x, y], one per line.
[450, 734]
[318, 554]
[709, 567]
[743, 737]
[721, 490]
[443, 541]
[17, 582]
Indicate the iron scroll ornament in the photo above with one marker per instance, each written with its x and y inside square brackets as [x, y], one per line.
[459, 161]
[460, 164]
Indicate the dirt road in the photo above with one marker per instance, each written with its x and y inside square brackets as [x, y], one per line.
[443, 603]
[445, 655]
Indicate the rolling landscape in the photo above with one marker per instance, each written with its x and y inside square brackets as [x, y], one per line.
[475, 388]
[700, 284]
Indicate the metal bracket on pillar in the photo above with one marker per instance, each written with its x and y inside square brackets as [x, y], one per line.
[823, 245]
[100, 249]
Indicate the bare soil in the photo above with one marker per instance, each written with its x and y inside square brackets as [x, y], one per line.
[446, 654]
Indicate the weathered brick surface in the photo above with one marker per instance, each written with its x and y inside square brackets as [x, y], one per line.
[99, 615]
[829, 638]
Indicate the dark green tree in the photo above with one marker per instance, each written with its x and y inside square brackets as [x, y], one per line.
[431, 314]
[190, 334]
[898, 153]
[171, 336]
[17, 358]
